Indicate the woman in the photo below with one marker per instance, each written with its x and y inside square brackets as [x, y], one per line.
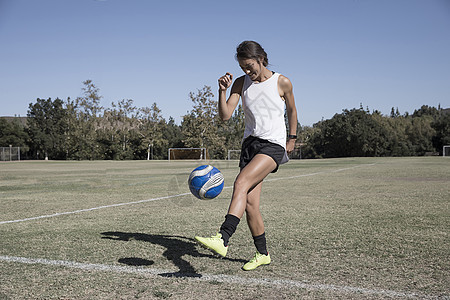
[265, 95]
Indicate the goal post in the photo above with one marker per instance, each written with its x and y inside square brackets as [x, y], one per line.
[234, 154]
[188, 153]
[10, 153]
[446, 151]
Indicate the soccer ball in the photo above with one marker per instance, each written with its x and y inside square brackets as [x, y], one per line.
[206, 182]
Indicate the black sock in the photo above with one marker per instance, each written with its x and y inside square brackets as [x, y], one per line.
[228, 227]
[260, 243]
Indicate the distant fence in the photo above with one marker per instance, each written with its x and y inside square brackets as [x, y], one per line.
[9, 153]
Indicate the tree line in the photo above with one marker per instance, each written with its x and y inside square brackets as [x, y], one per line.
[82, 129]
[359, 132]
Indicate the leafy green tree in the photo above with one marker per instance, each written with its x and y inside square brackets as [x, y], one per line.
[233, 129]
[420, 134]
[89, 103]
[47, 127]
[173, 135]
[426, 110]
[201, 126]
[151, 141]
[356, 132]
[12, 132]
[352, 133]
[397, 142]
[75, 131]
[83, 121]
[395, 113]
[310, 139]
[125, 126]
[116, 130]
[441, 125]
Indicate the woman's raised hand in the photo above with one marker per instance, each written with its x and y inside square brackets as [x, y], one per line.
[225, 81]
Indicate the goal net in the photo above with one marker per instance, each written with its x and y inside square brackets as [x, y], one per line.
[188, 153]
[9, 153]
[446, 151]
[234, 154]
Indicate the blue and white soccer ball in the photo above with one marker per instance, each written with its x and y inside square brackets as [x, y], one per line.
[206, 182]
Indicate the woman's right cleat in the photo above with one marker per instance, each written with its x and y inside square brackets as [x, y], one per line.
[213, 243]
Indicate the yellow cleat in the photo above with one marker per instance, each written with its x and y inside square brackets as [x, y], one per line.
[258, 260]
[213, 243]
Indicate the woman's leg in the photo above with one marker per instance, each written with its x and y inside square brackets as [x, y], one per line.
[256, 225]
[254, 218]
[246, 193]
[248, 179]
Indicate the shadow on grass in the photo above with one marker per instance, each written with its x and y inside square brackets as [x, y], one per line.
[177, 247]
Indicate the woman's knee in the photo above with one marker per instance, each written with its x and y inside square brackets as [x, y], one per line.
[241, 185]
[252, 208]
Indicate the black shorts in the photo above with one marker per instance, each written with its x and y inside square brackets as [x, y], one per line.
[253, 145]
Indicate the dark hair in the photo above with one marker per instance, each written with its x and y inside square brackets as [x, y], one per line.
[251, 50]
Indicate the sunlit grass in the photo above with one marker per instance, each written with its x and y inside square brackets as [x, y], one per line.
[362, 222]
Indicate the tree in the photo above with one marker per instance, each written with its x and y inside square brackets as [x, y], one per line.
[395, 113]
[233, 129]
[355, 132]
[173, 135]
[201, 126]
[12, 133]
[90, 101]
[152, 142]
[341, 134]
[47, 126]
[309, 136]
[420, 134]
[397, 142]
[441, 125]
[426, 110]
[83, 118]
[125, 125]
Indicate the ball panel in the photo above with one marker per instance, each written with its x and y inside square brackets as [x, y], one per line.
[200, 171]
[214, 192]
[214, 181]
[194, 192]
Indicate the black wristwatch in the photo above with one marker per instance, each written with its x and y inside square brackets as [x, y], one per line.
[292, 137]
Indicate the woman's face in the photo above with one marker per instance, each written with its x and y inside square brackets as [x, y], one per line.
[251, 67]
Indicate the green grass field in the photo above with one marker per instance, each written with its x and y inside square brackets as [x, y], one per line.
[355, 228]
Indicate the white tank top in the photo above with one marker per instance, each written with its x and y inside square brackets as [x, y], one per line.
[264, 110]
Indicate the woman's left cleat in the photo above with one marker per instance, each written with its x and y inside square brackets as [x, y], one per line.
[258, 260]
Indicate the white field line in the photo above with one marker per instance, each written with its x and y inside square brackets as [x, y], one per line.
[152, 272]
[93, 208]
[318, 173]
[166, 197]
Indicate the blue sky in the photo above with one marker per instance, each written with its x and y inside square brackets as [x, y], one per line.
[337, 53]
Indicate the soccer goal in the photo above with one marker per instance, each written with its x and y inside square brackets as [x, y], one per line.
[446, 151]
[234, 154]
[9, 153]
[188, 153]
